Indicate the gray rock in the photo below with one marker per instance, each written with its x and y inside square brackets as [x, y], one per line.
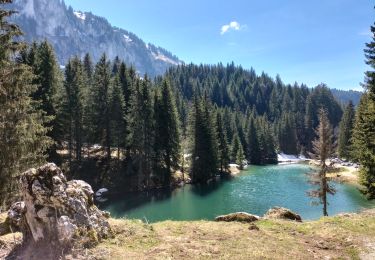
[238, 216]
[282, 213]
[55, 209]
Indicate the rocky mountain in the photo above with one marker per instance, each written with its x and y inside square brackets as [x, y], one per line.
[76, 33]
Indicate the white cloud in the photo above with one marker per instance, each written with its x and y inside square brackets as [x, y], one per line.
[231, 26]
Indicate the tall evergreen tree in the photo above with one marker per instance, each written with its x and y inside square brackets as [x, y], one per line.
[364, 143]
[167, 136]
[346, 131]
[237, 153]
[41, 58]
[204, 157]
[101, 104]
[287, 135]
[73, 108]
[23, 139]
[254, 152]
[364, 130]
[322, 150]
[117, 112]
[223, 149]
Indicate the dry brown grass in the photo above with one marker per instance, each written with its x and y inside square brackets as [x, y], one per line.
[345, 237]
[348, 236]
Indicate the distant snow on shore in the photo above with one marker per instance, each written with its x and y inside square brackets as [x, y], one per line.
[289, 158]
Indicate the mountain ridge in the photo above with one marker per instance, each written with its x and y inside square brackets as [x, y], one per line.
[74, 33]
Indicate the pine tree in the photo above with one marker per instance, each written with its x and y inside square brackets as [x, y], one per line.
[267, 141]
[88, 90]
[88, 66]
[364, 143]
[140, 131]
[237, 153]
[167, 136]
[322, 150]
[127, 85]
[223, 154]
[287, 135]
[346, 131]
[253, 144]
[364, 130]
[23, 139]
[204, 153]
[73, 108]
[370, 60]
[42, 59]
[101, 105]
[117, 108]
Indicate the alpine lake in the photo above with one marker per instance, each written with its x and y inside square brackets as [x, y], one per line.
[254, 190]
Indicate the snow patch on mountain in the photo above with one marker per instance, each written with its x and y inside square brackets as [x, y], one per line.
[161, 57]
[127, 38]
[80, 15]
[77, 32]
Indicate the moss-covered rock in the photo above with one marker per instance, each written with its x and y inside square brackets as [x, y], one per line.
[282, 213]
[238, 216]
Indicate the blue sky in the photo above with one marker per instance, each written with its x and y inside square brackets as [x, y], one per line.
[304, 41]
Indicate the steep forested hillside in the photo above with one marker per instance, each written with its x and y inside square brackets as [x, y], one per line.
[289, 110]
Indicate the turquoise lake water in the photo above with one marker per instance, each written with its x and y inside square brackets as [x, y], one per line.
[254, 190]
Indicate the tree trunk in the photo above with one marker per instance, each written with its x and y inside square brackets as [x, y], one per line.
[324, 191]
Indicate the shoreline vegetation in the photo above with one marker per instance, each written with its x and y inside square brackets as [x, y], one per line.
[338, 173]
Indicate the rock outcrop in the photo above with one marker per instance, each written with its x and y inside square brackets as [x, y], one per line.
[282, 213]
[274, 213]
[57, 210]
[238, 216]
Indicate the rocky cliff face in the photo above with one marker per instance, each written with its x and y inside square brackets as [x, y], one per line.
[55, 213]
[76, 33]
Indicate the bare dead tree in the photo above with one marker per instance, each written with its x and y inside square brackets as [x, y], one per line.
[323, 148]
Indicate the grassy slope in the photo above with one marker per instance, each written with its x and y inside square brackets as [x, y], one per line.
[348, 236]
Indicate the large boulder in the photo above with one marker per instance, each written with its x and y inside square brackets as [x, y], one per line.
[57, 210]
[238, 216]
[282, 213]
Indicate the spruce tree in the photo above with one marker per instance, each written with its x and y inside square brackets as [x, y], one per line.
[117, 108]
[364, 130]
[23, 139]
[101, 105]
[223, 149]
[88, 90]
[73, 109]
[140, 131]
[254, 152]
[204, 153]
[364, 143]
[237, 152]
[167, 135]
[287, 135]
[48, 80]
[346, 131]
[322, 150]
